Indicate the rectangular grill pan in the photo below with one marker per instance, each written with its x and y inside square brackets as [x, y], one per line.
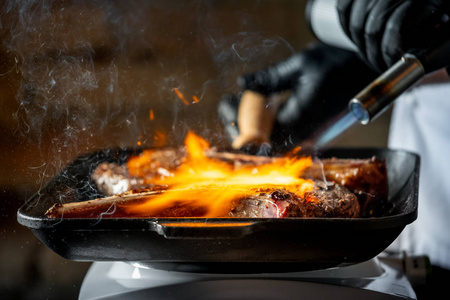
[222, 244]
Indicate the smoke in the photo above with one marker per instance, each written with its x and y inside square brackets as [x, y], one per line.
[70, 98]
[91, 71]
[55, 74]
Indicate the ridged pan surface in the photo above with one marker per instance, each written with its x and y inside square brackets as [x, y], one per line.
[222, 244]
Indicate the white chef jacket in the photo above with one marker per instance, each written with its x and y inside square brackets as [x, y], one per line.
[421, 124]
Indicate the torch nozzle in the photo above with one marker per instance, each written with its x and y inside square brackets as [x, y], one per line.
[378, 95]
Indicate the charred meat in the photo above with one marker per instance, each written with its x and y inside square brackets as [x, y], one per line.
[323, 201]
[366, 178]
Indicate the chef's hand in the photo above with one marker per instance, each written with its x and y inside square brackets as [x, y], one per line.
[321, 79]
[383, 30]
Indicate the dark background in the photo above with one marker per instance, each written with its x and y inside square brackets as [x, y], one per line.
[84, 75]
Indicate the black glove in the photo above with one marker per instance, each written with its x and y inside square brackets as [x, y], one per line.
[322, 80]
[383, 30]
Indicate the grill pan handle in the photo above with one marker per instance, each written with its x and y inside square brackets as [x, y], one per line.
[203, 229]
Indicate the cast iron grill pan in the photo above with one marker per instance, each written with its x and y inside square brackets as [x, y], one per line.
[228, 245]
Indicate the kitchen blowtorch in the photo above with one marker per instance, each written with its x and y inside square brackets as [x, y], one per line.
[323, 18]
[256, 120]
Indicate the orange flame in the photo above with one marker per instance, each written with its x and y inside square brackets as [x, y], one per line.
[204, 182]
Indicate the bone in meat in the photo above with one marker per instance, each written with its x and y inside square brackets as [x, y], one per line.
[323, 201]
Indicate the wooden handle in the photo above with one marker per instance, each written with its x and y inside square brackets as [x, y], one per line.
[256, 117]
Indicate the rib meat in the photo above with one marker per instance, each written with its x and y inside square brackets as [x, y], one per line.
[323, 201]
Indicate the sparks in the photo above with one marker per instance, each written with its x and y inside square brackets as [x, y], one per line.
[180, 95]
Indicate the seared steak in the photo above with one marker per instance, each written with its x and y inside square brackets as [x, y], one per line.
[325, 200]
[366, 178]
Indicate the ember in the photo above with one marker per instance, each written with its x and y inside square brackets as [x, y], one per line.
[181, 96]
[151, 115]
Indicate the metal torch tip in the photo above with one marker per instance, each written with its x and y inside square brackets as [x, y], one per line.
[359, 111]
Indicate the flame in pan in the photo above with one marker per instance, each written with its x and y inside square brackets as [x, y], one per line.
[213, 185]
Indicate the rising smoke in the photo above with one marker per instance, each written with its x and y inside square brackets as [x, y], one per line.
[92, 70]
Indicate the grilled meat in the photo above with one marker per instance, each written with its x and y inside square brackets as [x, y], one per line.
[323, 201]
[330, 200]
[367, 178]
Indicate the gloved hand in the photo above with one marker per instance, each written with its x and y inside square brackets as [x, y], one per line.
[322, 79]
[383, 30]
